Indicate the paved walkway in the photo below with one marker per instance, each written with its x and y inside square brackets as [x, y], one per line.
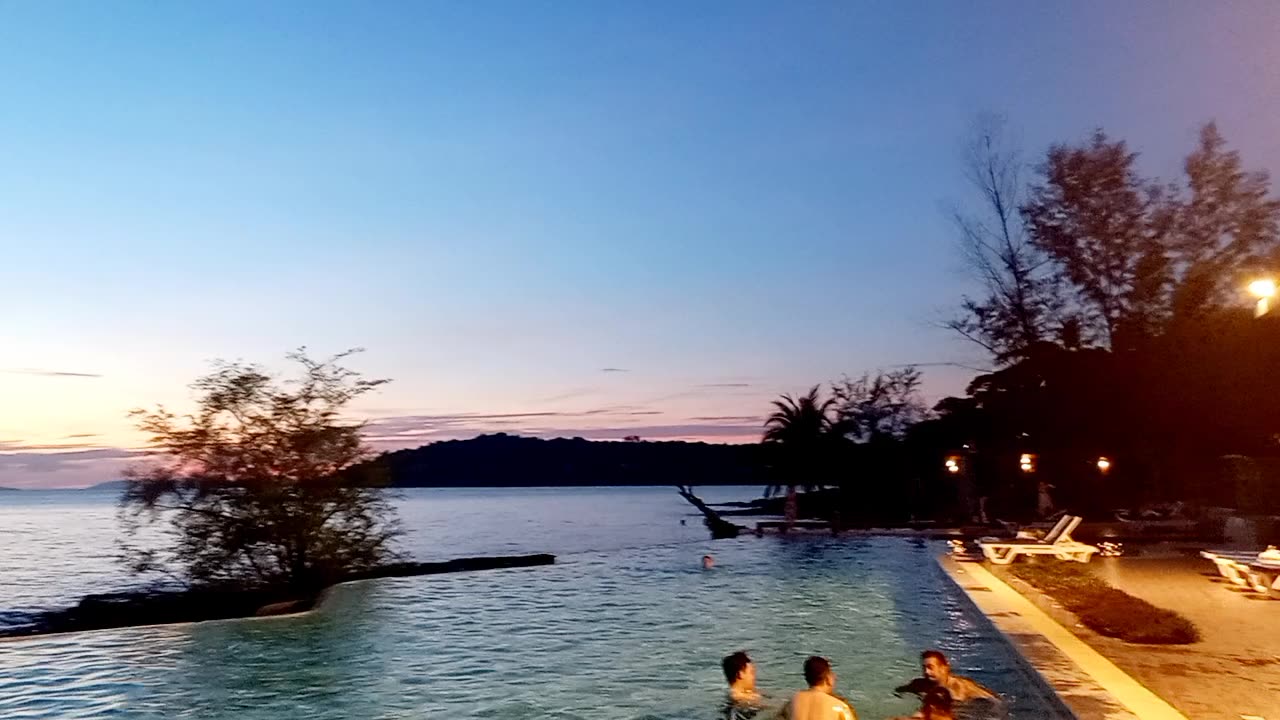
[1233, 672]
[1092, 686]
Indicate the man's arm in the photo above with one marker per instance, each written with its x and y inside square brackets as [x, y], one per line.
[973, 690]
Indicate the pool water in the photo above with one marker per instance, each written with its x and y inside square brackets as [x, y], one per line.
[626, 633]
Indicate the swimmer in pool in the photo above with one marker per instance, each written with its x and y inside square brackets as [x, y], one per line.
[743, 701]
[708, 562]
[819, 702]
[935, 705]
[937, 668]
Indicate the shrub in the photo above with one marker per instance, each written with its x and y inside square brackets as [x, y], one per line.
[1106, 610]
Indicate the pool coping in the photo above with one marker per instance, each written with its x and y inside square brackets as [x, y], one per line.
[1091, 686]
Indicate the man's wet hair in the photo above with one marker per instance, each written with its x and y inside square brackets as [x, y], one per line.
[937, 698]
[816, 670]
[936, 705]
[734, 665]
[935, 654]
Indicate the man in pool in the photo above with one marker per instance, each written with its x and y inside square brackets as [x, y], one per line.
[743, 701]
[819, 702]
[938, 671]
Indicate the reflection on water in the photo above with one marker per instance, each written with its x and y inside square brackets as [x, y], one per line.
[619, 634]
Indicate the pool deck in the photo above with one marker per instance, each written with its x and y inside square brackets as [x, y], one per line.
[1233, 673]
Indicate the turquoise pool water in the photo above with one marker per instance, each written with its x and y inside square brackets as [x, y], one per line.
[621, 633]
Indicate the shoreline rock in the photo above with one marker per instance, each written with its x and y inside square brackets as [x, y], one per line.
[138, 608]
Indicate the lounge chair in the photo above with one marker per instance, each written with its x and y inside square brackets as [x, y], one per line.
[1057, 543]
[1264, 577]
[1232, 564]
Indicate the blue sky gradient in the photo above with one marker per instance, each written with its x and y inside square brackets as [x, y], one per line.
[501, 199]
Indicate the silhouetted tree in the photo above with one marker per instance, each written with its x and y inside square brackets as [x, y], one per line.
[1226, 229]
[1020, 303]
[800, 430]
[255, 487]
[882, 407]
[1105, 230]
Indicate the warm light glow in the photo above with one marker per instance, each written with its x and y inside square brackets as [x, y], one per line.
[1027, 462]
[1264, 288]
[1104, 464]
[953, 465]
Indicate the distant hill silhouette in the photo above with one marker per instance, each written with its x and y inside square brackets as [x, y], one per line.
[502, 460]
[110, 485]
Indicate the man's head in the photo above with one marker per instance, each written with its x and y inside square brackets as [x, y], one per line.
[708, 562]
[936, 705]
[818, 672]
[935, 666]
[739, 670]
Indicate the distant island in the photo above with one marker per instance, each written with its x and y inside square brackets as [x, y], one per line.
[501, 460]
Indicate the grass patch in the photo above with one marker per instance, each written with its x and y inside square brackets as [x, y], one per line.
[1107, 610]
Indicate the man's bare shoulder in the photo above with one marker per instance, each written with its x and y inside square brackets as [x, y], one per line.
[818, 705]
[962, 688]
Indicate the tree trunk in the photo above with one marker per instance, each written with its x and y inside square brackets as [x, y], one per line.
[790, 511]
[720, 528]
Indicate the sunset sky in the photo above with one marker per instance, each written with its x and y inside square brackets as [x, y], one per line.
[555, 218]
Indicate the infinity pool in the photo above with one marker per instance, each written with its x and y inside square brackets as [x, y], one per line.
[632, 633]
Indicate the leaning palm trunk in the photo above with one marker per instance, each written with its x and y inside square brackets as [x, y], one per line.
[789, 510]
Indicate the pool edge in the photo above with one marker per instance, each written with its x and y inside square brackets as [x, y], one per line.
[1087, 684]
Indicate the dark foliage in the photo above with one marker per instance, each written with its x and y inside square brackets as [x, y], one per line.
[1106, 610]
[256, 488]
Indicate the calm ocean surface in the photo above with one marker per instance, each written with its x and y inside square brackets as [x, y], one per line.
[626, 625]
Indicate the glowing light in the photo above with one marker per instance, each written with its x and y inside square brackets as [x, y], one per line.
[1110, 549]
[1264, 288]
[952, 464]
[1103, 464]
[1027, 462]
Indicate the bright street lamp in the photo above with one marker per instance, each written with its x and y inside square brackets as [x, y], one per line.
[1264, 289]
[1103, 465]
[1027, 462]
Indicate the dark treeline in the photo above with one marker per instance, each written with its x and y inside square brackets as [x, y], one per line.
[502, 460]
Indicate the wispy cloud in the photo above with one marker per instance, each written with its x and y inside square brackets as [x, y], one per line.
[50, 373]
[614, 370]
[725, 385]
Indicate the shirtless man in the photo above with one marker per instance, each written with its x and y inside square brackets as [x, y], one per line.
[743, 701]
[962, 689]
[819, 702]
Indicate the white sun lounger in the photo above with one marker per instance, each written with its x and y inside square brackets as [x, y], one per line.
[1057, 543]
[1232, 564]
[1264, 577]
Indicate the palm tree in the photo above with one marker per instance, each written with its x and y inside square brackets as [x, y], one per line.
[801, 427]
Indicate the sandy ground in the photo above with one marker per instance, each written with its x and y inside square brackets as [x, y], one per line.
[1233, 672]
